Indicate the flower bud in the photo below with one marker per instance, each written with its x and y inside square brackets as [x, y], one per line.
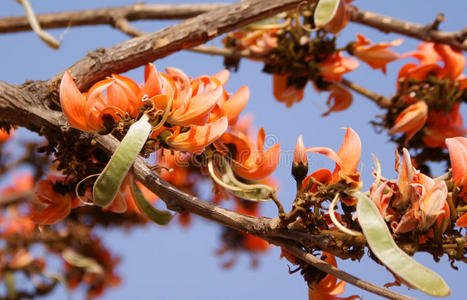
[300, 161]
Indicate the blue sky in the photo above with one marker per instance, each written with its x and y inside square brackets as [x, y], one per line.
[177, 263]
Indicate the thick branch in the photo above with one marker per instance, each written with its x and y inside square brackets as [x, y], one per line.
[192, 32]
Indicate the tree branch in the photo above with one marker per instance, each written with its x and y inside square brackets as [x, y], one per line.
[325, 267]
[103, 16]
[380, 100]
[140, 11]
[427, 33]
[29, 112]
[26, 105]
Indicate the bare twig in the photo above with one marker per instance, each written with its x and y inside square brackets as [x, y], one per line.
[388, 24]
[380, 100]
[125, 26]
[325, 267]
[31, 17]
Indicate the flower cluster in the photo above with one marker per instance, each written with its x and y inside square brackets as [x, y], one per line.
[295, 58]
[429, 97]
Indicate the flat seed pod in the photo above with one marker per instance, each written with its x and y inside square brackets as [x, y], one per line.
[157, 216]
[255, 193]
[107, 184]
[252, 192]
[383, 246]
[325, 11]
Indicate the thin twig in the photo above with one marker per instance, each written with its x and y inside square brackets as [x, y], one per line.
[123, 25]
[380, 100]
[388, 24]
[325, 267]
[32, 20]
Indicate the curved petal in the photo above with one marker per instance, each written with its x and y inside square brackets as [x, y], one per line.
[458, 155]
[454, 61]
[283, 93]
[236, 103]
[197, 109]
[222, 76]
[264, 167]
[73, 102]
[328, 152]
[340, 98]
[411, 120]
[350, 151]
[198, 137]
[57, 206]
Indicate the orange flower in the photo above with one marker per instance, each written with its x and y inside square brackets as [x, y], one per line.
[283, 93]
[55, 206]
[335, 66]
[378, 55]
[259, 42]
[457, 147]
[4, 135]
[194, 101]
[328, 288]
[454, 61]
[106, 97]
[197, 137]
[426, 197]
[340, 98]
[429, 54]
[252, 163]
[411, 120]
[346, 159]
[441, 126]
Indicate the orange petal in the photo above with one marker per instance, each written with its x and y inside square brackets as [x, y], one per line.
[340, 98]
[411, 120]
[198, 137]
[222, 76]
[73, 102]
[350, 151]
[235, 104]
[262, 167]
[299, 154]
[433, 203]
[458, 155]
[454, 61]
[4, 135]
[58, 206]
[321, 175]
[328, 152]
[197, 109]
[462, 221]
[283, 93]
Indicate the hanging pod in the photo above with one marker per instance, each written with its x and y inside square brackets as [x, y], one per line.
[385, 249]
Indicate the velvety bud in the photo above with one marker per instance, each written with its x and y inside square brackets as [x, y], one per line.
[300, 161]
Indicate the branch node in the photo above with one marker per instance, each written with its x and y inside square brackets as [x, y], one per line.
[433, 26]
